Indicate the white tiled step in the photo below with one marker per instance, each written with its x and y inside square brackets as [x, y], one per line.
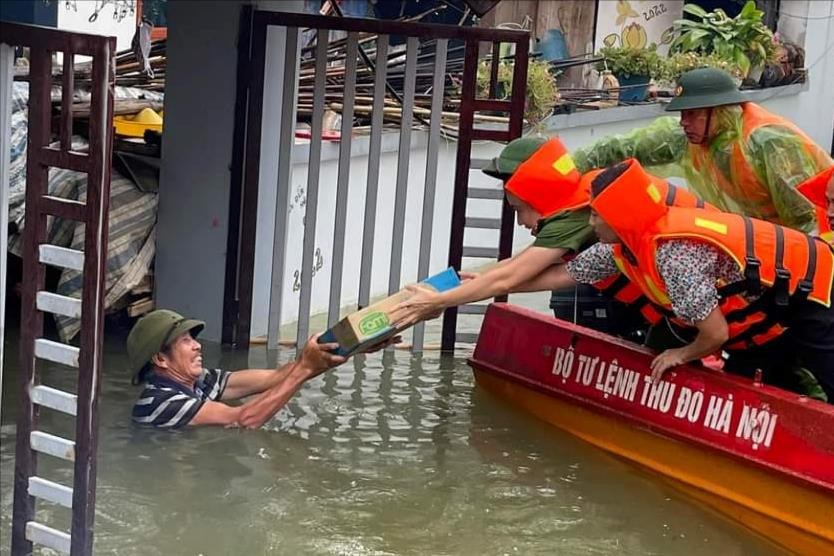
[58, 304]
[61, 256]
[53, 445]
[48, 537]
[57, 352]
[472, 309]
[481, 252]
[486, 223]
[50, 491]
[55, 399]
[485, 193]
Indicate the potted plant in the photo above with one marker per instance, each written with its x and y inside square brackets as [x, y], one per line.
[542, 92]
[633, 68]
[744, 39]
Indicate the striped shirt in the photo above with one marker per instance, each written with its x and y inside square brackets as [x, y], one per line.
[167, 404]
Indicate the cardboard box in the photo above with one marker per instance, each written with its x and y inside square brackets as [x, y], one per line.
[370, 326]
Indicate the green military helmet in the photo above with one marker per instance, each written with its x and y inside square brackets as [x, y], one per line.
[517, 151]
[153, 332]
[705, 88]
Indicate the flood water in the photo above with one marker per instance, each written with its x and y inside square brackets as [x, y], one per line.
[389, 454]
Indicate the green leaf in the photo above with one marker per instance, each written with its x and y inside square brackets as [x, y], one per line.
[742, 61]
[695, 10]
[697, 35]
[748, 10]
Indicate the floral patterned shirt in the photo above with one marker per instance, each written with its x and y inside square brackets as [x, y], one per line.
[691, 271]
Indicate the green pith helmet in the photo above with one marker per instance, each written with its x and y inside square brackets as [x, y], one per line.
[153, 332]
[705, 88]
[517, 151]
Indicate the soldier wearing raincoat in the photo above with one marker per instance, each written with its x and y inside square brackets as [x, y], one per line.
[734, 154]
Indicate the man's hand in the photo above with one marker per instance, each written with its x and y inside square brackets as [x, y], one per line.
[665, 361]
[465, 276]
[423, 304]
[316, 358]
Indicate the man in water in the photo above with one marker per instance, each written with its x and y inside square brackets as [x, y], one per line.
[165, 356]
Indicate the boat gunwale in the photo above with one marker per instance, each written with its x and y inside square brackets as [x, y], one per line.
[728, 380]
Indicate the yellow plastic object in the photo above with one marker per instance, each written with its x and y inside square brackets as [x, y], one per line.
[135, 126]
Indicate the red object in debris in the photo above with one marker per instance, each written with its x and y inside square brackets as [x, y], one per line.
[713, 362]
[325, 135]
[756, 453]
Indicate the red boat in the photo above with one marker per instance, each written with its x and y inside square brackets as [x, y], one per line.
[758, 454]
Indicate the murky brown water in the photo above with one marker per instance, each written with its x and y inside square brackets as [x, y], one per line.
[389, 454]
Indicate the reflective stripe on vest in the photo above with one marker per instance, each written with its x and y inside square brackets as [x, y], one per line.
[620, 287]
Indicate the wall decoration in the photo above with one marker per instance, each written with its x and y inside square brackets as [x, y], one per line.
[637, 23]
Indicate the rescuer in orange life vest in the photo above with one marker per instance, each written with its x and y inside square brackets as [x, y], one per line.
[551, 199]
[820, 191]
[759, 291]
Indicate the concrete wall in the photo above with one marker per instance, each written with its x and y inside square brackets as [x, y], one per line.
[813, 110]
[353, 233]
[197, 151]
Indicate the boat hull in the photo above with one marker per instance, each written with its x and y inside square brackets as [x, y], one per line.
[772, 471]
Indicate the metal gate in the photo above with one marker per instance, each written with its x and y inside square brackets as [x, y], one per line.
[367, 43]
[42, 155]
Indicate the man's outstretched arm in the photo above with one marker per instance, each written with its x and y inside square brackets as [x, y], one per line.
[314, 360]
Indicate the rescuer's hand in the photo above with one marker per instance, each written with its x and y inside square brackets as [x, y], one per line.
[665, 361]
[423, 304]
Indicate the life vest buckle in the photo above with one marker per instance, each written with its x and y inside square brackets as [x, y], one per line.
[752, 276]
[803, 290]
[781, 287]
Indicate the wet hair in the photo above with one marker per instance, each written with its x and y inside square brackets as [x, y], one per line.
[607, 177]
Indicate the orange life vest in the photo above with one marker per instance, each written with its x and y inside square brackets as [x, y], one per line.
[782, 264]
[743, 183]
[814, 189]
[549, 182]
[624, 290]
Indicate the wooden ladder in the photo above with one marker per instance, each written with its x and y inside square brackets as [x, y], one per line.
[37, 254]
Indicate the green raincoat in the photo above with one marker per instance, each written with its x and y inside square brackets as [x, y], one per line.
[779, 154]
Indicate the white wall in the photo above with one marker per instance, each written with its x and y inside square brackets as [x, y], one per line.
[813, 110]
[75, 17]
[197, 150]
[384, 223]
